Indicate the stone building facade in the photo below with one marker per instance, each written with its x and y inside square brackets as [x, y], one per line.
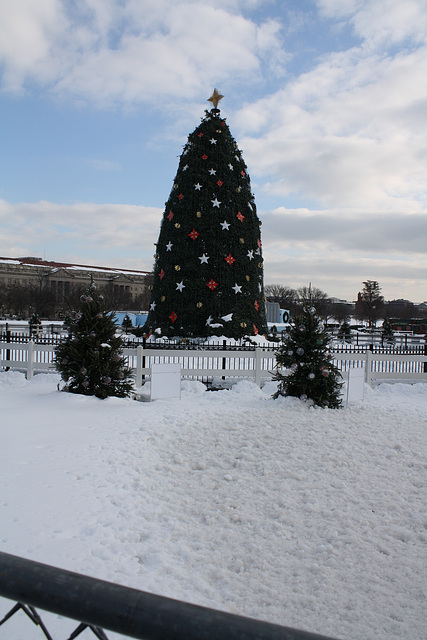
[62, 279]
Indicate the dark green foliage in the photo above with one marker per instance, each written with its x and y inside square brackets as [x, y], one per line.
[344, 332]
[127, 323]
[208, 274]
[311, 374]
[35, 324]
[90, 359]
[387, 331]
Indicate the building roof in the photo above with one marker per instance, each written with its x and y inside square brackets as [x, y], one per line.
[38, 262]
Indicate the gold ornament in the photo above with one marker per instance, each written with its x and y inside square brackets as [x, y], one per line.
[260, 265]
[247, 278]
[177, 267]
[242, 240]
[163, 298]
[243, 324]
[177, 225]
[215, 98]
[199, 305]
[175, 186]
[199, 214]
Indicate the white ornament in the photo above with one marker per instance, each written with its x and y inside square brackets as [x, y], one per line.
[185, 168]
[212, 141]
[251, 254]
[237, 288]
[209, 321]
[227, 318]
[180, 286]
[231, 167]
[197, 187]
[212, 172]
[152, 306]
[204, 259]
[225, 225]
[169, 246]
[216, 202]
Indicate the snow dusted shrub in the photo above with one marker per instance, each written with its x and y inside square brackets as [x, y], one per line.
[90, 359]
[304, 368]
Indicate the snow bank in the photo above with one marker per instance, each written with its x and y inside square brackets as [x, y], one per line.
[302, 516]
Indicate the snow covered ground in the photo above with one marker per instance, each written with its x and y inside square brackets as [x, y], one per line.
[301, 516]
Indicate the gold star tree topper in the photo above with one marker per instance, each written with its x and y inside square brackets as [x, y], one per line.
[215, 98]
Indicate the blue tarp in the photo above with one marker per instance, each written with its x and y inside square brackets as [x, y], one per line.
[138, 319]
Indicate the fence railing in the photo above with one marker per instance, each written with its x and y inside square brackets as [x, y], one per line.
[206, 364]
[100, 605]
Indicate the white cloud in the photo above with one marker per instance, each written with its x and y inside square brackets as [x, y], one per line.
[348, 133]
[337, 250]
[107, 235]
[380, 21]
[333, 251]
[110, 52]
[28, 32]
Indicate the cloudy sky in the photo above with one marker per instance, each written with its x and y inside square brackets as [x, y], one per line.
[326, 98]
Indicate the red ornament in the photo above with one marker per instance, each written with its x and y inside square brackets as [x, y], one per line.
[200, 134]
[256, 305]
[162, 274]
[173, 316]
[243, 173]
[259, 243]
[170, 216]
[204, 156]
[180, 197]
[240, 217]
[230, 259]
[255, 330]
[220, 183]
[212, 284]
[193, 235]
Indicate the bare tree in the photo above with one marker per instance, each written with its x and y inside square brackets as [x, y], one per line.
[341, 311]
[318, 299]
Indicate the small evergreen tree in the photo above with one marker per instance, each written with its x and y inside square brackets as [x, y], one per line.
[310, 374]
[35, 324]
[127, 323]
[90, 359]
[387, 334]
[344, 332]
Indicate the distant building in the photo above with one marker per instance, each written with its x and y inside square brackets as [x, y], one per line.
[400, 308]
[61, 278]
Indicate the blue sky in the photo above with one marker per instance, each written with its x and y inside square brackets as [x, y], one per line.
[326, 98]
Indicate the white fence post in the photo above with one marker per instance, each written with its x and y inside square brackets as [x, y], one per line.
[139, 356]
[258, 352]
[30, 360]
[368, 367]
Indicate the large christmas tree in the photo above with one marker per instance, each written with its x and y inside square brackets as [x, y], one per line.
[208, 273]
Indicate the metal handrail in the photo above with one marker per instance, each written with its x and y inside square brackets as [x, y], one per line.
[134, 613]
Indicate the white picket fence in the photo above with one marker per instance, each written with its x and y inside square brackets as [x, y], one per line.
[208, 365]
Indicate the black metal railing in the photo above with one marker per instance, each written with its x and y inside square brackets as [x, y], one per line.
[100, 605]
